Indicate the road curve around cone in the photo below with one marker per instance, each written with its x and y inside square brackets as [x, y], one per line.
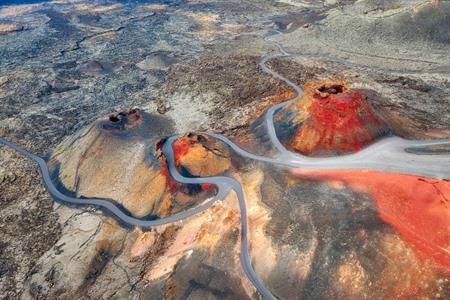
[226, 184]
[389, 154]
[109, 206]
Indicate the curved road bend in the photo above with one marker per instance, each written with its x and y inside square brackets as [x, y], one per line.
[388, 154]
[106, 204]
[224, 185]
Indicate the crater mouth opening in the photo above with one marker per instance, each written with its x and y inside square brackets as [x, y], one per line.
[115, 118]
[124, 120]
[331, 89]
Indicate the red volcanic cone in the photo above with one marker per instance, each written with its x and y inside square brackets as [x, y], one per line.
[334, 119]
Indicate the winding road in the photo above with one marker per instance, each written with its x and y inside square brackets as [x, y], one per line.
[390, 154]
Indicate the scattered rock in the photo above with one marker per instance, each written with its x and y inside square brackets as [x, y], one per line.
[156, 61]
[91, 67]
[162, 106]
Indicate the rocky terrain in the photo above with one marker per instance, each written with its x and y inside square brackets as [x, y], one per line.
[97, 86]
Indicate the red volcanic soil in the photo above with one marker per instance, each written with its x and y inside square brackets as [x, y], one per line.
[334, 119]
[180, 148]
[418, 208]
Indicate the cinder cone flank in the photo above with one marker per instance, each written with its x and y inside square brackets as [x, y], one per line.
[334, 119]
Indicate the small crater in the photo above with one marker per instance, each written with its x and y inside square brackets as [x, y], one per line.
[91, 67]
[123, 120]
[115, 118]
[331, 89]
